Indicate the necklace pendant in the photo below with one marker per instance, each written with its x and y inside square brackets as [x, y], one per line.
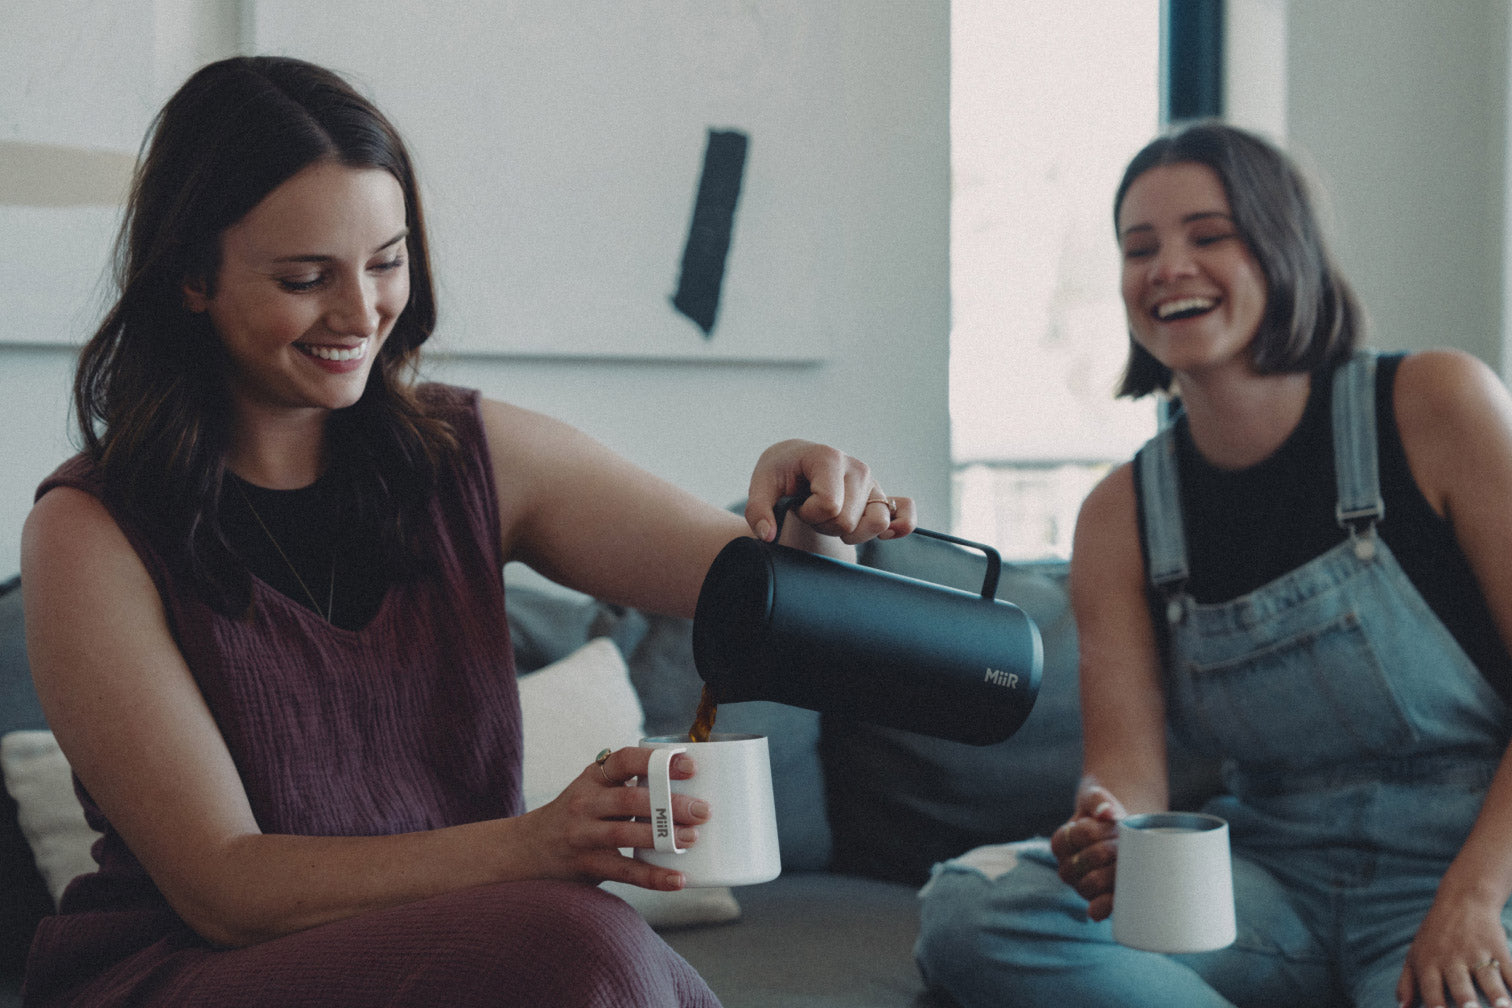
[329, 612]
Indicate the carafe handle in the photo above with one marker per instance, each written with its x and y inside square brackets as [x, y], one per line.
[994, 561]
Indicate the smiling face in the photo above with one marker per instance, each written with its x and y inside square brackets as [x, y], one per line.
[311, 281]
[1194, 292]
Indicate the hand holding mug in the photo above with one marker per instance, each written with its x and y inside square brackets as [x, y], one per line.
[738, 845]
[1086, 847]
[586, 832]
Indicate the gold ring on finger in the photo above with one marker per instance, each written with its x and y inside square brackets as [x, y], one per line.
[599, 761]
[1480, 966]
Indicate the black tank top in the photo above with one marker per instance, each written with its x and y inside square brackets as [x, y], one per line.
[1247, 527]
[299, 542]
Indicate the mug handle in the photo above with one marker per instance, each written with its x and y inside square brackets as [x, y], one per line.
[994, 559]
[659, 782]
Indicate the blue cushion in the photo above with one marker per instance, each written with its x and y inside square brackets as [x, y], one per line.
[18, 700]
[24, 899]
[546, 626]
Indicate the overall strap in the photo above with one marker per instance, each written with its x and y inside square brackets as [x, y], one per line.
[1359, 504]
[1354, 431]
[1160, 495]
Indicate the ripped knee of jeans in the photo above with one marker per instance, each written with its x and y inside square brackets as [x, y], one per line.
[993, 861]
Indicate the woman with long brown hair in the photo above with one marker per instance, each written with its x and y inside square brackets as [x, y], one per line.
[266, 614]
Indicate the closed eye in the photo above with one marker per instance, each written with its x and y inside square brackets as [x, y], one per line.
[298, 286]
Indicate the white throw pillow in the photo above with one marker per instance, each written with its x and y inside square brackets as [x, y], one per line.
[573, 709]
[38, 777]
[685, 908]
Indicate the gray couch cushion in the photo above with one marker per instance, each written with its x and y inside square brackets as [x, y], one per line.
[18, 700]
[813, 940]
[547, 626]
[24, 899]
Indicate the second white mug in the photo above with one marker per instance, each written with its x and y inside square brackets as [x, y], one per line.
[1173, 888]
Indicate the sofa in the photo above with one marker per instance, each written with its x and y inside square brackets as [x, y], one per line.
[864, 811]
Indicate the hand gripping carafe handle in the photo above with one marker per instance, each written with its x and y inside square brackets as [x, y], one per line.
[994, 561]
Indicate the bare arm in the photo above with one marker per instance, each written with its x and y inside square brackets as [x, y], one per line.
[588, 519]
[1123, 707]
[1455, 418]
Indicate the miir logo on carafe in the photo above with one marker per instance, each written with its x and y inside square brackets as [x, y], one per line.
[998, 677]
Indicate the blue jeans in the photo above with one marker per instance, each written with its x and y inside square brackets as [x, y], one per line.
[1325, 927]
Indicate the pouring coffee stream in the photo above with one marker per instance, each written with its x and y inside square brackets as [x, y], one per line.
[703, 721]
[781, 624]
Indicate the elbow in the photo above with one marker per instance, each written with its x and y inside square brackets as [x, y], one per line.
[224, 936]
[233, 916]
[250, 891]
[228, 926]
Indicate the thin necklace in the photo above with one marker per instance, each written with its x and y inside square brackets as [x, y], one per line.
[330, 609]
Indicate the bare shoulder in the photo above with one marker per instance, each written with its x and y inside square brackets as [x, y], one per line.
[1436, 387]
[506, 423]
[67, 528]
[1111, 497]
[1443, 395]
[1106, 522]
[75, 558]
[525, 435]
[1455, 419]
[496, 411]
[1105, 554]
[78, 569]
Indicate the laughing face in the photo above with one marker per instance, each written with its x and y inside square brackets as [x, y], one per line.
[1193, 290]
[310, 284]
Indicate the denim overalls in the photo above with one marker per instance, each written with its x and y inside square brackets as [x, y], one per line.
[1358, 743]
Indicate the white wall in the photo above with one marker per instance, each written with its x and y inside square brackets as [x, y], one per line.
[1398, 109]
[1401, 106]
[34, 390]
[843, 222]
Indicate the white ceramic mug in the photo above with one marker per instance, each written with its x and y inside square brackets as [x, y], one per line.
[1173, 888]
[738, 845]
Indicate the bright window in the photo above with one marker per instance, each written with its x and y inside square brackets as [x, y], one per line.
[1049, 100]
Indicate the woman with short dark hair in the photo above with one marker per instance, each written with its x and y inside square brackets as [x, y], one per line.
[1305, 574]
[1312, 319]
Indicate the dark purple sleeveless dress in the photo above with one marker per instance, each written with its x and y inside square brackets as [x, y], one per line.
[411, 723]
